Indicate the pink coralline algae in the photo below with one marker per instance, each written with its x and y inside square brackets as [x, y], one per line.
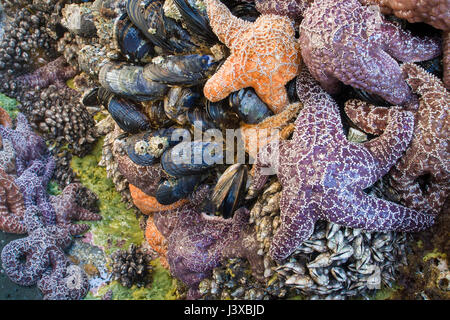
[197, 243]
[428, 154]
[11, 205]
[344, 41]
[323, 174]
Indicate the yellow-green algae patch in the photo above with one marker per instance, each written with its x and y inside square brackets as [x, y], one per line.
[162, 287]
[10, 105]
[119, 226]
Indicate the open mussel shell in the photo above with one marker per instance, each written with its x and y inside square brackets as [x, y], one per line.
[171, 190]
[177, 103]
[196, 21]
[127, 80]
[146, 148]
[162, 31]
[90, 98]
[191, 158]
[186, 70]
[230, 189]
[249, 106]
[131, 41]
[244, 10]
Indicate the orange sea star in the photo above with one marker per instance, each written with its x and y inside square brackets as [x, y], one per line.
[264, 55]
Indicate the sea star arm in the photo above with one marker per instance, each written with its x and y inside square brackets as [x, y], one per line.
[291, 8]
[297, 225]
[11, 208]
[369, 118]
[390, 146]
[403, 46]
[224, 81]
[446, 58]
[225, 25]
[359, 210]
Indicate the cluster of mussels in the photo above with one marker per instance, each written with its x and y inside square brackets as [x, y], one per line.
[162, 75]
[131, 266]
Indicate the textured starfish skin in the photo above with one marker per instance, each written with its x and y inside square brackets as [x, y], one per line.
[27, 145]
[323, 175]
[343, 41]
[197, 243]
[55, 72]
[435, 13]
[428, 152]
[5, 119]
[274, 127]
[35, 249]
[64, 280]
[67, 210]
[8, 157]
[12, 207]
[157, 241]
[264, 55]
[33, 185]
[294, 9]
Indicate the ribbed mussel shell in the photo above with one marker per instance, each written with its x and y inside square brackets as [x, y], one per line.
[191, 158]
[147, 147]
[249, 106]
[155, 113]
[230, 189]
[131, 41]
[186, 70]
[127, 114]
[127, 80]
[172, 190]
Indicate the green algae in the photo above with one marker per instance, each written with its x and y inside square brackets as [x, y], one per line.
[119, 226]
[162, 287]
[10, 105]
[53, 188]
[434, 254]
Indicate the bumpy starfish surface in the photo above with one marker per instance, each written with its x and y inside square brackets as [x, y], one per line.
[12, 207]
[63, 280]
[294, 9]
[55, 72]
[435, 13]
[323, 175]
[264, 55]
[27, 145]
[428, 153]
[67, 210]
[25, 260]
[197, 243]
[256, 136]
[33, 185]
[344, 41]
[157, 241]
[8, 157]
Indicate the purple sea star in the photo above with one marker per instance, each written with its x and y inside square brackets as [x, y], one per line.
[323, 175]
[67, 210]
[294, 9]
[342, 40]
[428, 153]
[197, 243]
[27, 145]
[25, 260]
[64, 280]
[11, 205]
[8, 157]
[33, 185]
